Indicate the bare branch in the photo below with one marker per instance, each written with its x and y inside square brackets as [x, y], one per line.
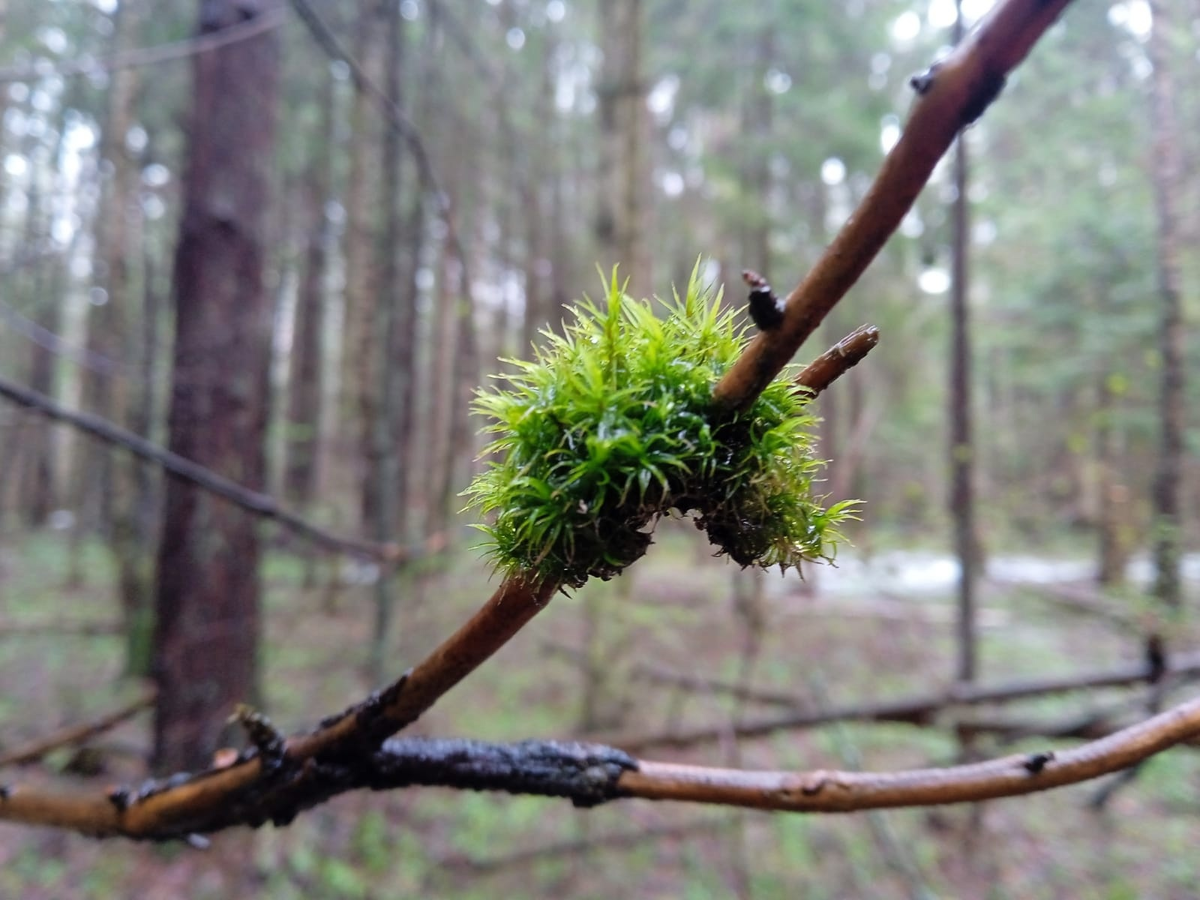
[587, 774]
[917, 710]
[838, 359]
[951, 95]
[253, 501]
[834, 791]
[74, 734]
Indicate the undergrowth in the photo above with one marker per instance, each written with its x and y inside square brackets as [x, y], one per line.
[612, 426]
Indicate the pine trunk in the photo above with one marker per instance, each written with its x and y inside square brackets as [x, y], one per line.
[207, 592]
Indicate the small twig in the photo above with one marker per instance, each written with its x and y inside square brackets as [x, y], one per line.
[838, 359]
[951, 95]
[74, 734]
[393, 114]
[253, 501]
[921, 709]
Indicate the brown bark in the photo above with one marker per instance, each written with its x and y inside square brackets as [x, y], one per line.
[1167, 176]
[397, 319]
[207, 592]
[951, 96]
[358, 370]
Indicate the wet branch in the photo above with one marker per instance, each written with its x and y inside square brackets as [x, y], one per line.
[834, 791]
[951, 95]
[586, 774]
[838, 359]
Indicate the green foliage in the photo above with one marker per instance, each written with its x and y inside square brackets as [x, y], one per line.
[612, 426]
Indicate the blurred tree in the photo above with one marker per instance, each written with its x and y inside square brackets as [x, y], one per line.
[207, 596]
[1167, 175]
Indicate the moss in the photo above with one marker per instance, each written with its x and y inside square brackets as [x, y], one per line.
[612, 426]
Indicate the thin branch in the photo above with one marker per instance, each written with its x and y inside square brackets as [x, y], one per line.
[303, 770]
[834, 791]
[253, 501]
[147, 56]
[395, 118]
[394, 115]
[46, 339]
[951, 95]
[587, 774]
[74, 734]
[915, 710]
[838, 359]
[60, 628]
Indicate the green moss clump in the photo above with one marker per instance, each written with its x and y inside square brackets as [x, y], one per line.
[612, 426]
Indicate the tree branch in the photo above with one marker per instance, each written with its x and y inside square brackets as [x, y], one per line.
[587, 774]
[74, 734]
[920, 709]
[951, 95]
[834, 791]
[838, 359]
[252, 501]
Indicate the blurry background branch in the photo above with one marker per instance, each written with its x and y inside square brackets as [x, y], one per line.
[252, 501]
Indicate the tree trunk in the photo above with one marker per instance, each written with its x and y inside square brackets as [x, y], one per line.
[621, 180]
[962, 448]
[397, 319]
[1168, 179]
[359, 381]
[305, 384]
[207, 592]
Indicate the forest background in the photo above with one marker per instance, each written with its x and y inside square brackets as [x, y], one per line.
[441, 179]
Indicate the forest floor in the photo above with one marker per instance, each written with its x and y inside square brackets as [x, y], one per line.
[674, 611]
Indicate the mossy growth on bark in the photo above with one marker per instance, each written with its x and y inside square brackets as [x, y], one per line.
[612, 426]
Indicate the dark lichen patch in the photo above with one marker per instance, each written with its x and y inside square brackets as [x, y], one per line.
[612, 426]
